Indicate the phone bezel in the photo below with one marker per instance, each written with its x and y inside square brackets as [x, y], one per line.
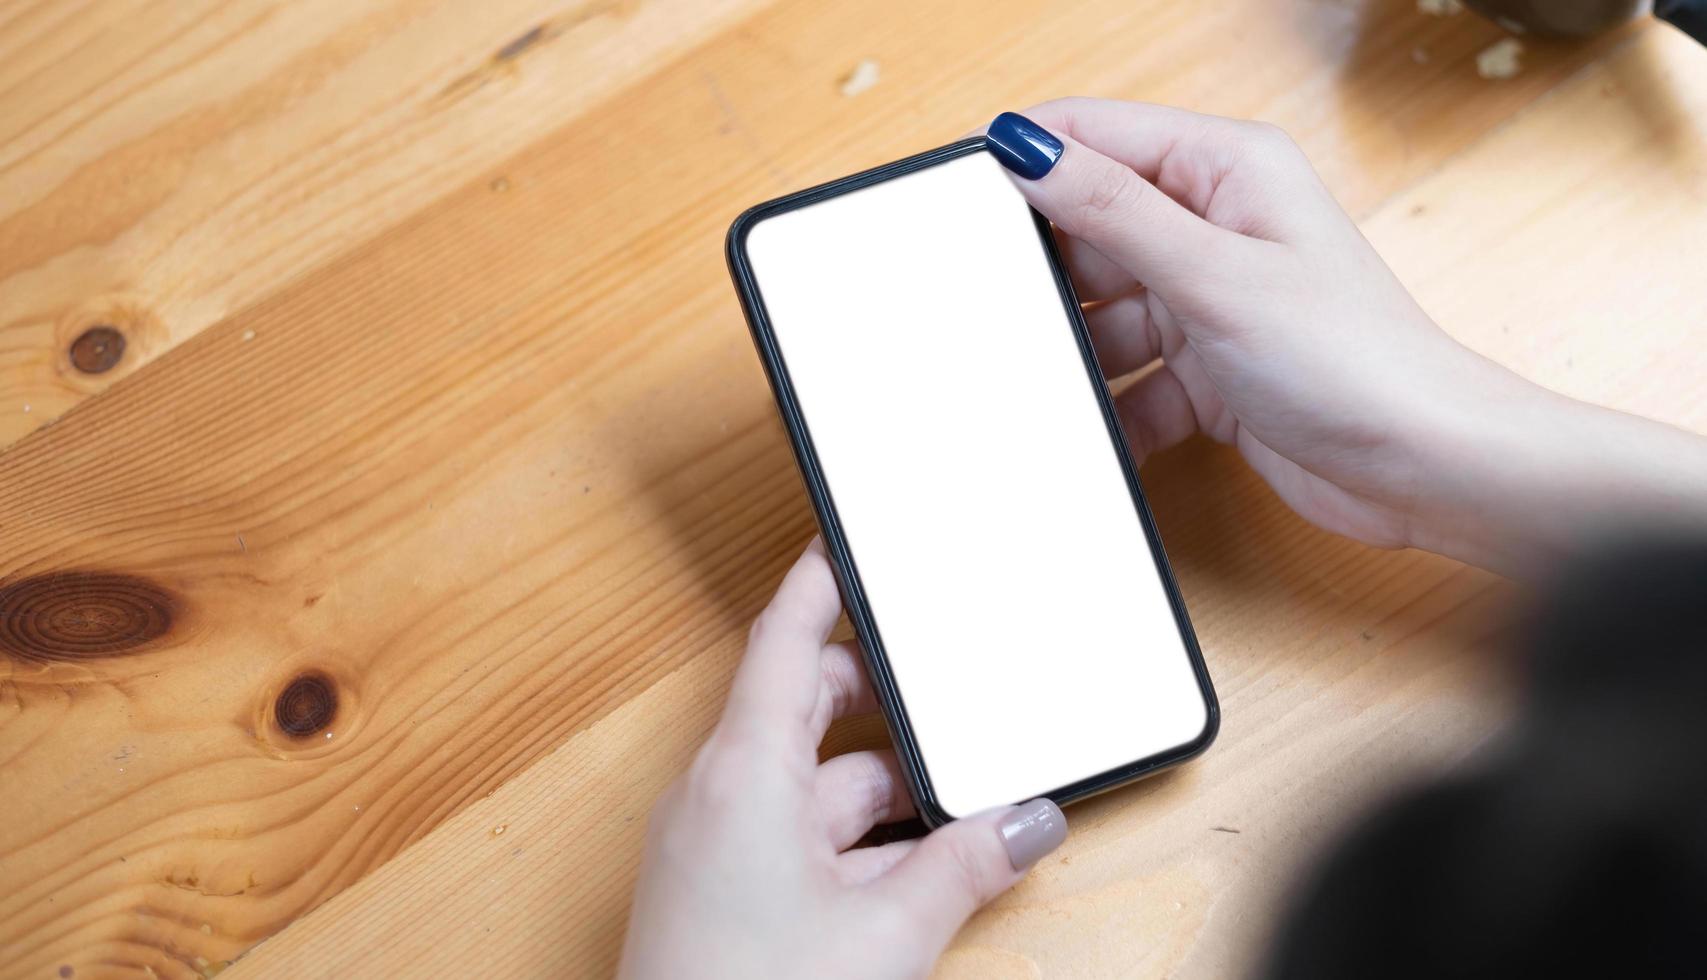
[823, 505]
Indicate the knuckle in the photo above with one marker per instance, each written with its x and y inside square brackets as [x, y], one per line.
[835, 683]
[876, 790]
[835, 671]
[1108, 192]
[1269, 144]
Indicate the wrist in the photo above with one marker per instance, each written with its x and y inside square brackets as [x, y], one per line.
[1522, 476]
[1494, 447]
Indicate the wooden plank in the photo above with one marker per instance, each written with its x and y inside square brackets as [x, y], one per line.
[1338, 667]
[308, 126]
[164, 165]
[1147, 885]
[490, 476]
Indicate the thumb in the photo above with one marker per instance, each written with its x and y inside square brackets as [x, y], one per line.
[1107, 205]
[965, 864]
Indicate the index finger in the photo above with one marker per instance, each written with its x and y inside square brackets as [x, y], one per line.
[1139, 134]
[1188, 156]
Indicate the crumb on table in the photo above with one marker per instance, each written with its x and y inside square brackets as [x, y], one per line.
[863, 77]
[1500, 60]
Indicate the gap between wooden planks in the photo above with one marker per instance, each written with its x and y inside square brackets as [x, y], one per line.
[534, 879]
[493, 481]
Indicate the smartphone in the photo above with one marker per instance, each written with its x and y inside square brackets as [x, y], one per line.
[994, 550]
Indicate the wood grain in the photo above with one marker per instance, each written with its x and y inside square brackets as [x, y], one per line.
[166, 164]
[490, 470]
[1341, 671]
[1383, 681]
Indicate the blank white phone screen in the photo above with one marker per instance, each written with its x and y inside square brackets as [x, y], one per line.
[968, 461]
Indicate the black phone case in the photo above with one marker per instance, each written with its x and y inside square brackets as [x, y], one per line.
[823, 504]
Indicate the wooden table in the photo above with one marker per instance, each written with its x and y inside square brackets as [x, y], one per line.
[387, 480]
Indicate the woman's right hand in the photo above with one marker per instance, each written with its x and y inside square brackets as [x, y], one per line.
[1211, 246]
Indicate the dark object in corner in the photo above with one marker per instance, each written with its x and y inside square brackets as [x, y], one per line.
[1581, 18]
[1576, 845]
[1688, 16]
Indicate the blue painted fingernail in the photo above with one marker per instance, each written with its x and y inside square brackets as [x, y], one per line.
[1022, 145]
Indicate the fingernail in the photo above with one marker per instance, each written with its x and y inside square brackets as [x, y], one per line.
[1022, 145]
[1031, 831]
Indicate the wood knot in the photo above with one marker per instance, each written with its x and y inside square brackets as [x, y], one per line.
[98, 349]
[73, 615]
[306, 705]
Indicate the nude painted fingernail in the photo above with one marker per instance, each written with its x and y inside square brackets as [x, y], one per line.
[1031, 831]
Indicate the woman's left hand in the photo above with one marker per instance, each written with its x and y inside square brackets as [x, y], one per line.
[748, 869]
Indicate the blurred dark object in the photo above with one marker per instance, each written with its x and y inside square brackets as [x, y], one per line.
[1577, 844]
[1580, 18]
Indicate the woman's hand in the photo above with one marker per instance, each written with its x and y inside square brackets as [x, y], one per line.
[1210, 249]
[748, 871]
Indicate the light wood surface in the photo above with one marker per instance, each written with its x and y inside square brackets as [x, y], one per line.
[437, 440]
[166, 164]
